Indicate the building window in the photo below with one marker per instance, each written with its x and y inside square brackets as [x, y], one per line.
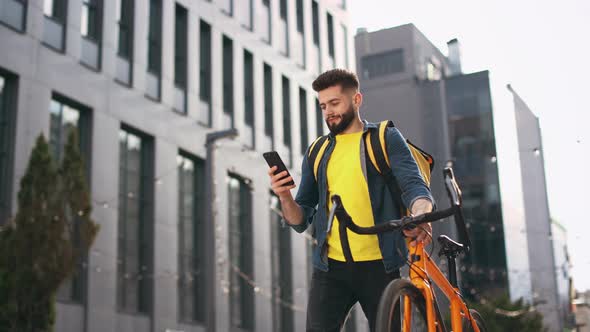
[227, 7]
[281, 265]
[57, 9]
[315, 13]
[299, 47]
[180, 47]
[382, 64]
[205, 63]
[268, 105]
[300, 17]
[54, 31]
[90, 28]
[319, 119]
[154, 65]
[286, 111]
[135, 224]
[67, 116]
[123, 61]
[180, 59]
[284, 26]
[249, 88]
[125, 19]
[245, 10]
[266, 17]
[228, 78]
[91, 19]
[191, 207]
[345, 36]
[303, 120]
[433, 72]
[240, 254]
[330, 34]
[13, 13]
[283, 9]
[8, 101]
[155, 37]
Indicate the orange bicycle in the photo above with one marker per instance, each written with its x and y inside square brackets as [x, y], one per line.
[411, 305]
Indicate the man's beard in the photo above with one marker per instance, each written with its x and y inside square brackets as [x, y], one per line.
[344, 123]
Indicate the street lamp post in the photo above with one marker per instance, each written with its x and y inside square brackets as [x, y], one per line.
[209, 226]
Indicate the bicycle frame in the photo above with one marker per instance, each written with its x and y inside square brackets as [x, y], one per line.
[424, 273]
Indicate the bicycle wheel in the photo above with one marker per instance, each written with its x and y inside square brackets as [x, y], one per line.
[478, 320]
[399, 297]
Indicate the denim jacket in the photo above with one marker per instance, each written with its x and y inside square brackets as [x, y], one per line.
[312, 196]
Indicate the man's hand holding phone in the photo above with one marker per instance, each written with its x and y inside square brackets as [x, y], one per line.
[281, 183]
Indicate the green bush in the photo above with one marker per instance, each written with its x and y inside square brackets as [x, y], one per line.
[42, 245]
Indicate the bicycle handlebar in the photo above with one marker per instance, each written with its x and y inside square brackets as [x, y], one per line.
[454, 193]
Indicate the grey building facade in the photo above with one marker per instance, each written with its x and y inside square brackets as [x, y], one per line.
[542, 251]
[393, 66]
[448, 114]
[143, 82]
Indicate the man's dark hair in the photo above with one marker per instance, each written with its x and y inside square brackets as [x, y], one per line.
[345, 78]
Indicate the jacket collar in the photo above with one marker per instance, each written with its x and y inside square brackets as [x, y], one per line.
[366, 126]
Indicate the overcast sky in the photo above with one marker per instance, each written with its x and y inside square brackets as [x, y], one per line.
[540, 47]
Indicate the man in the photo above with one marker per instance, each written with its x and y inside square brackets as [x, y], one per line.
[344, 170]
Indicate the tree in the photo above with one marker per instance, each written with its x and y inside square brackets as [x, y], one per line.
[51, 231]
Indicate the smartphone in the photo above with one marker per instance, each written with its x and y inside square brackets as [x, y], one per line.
[273, 159]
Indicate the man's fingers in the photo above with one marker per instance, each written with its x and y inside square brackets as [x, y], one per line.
[283, 181]
[277, 186]
[419, 235]
[277, 177]
[272, 170]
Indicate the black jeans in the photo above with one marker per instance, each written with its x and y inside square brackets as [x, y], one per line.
[333, 293]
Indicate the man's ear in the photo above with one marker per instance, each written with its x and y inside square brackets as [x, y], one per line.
[357, 99]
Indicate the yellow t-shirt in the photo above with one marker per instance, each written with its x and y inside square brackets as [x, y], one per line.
[345, 178]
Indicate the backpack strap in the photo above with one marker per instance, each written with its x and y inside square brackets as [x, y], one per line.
[316, 152]
[376, 144]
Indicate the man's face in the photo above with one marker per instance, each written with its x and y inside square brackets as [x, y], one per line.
[338, 108]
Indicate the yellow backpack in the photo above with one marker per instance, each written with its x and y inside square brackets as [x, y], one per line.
[376, 148]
